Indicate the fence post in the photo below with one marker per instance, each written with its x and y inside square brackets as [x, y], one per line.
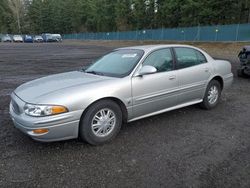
[199, 33]
[237, 32]
[118, 35]
[216, 34]
[184, 35]
[161, 33]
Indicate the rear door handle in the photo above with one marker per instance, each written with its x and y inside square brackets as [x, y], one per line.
[206, 69]
[172, 77]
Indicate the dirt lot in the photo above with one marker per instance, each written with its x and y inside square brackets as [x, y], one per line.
[189, 147]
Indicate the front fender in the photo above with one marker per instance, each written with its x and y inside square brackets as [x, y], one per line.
[80, 97]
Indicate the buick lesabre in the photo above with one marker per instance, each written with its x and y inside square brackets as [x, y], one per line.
[125, 85]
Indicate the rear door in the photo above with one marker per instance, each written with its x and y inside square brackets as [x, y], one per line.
[155, 92]
[193, 74]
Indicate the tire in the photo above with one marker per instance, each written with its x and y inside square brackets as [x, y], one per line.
[212, 95]
[101, 122]
[242, 73]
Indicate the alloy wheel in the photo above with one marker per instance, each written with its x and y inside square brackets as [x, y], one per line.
[103, 122]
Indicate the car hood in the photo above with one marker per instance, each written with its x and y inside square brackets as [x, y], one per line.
[33, 90]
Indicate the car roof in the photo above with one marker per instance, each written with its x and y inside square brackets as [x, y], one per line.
[147, 48]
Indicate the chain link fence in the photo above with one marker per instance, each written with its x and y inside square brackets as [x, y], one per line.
[236, 32]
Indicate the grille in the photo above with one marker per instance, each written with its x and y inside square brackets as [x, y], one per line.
[15, 107]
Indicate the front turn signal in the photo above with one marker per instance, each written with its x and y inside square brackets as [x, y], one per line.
[58, 110]
[40, 131]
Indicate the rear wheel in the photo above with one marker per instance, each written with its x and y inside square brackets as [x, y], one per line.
[101, 122]
[212, 95]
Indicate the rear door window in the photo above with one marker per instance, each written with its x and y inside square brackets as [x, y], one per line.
[188, 57]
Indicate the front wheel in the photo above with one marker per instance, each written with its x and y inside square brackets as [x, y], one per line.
[212, 95]
[101, 122]
[241, 73]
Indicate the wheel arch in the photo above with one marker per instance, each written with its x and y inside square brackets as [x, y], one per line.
[219, 79]
[114, 99]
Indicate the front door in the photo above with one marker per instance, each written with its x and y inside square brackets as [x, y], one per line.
[155, 92]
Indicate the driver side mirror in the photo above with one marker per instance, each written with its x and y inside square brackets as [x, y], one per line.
[147, 69]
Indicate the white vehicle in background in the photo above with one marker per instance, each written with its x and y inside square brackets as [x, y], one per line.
[17, 38]
[57, 37]
[6, 38]
[38, 38]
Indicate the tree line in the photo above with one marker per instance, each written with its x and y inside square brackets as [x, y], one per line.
[74, 16]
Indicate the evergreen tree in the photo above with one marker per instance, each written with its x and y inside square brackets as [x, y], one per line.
[69, 16]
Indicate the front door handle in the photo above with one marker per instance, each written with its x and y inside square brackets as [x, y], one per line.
[172, 77]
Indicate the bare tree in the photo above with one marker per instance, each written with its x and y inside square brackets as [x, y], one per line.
[16, 6]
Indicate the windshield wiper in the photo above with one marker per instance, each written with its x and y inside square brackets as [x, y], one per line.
[94, 72]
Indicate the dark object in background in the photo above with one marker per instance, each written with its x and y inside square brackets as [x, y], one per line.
[244, 56]
[28, 39]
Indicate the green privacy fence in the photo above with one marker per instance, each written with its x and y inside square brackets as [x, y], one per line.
[236, 32]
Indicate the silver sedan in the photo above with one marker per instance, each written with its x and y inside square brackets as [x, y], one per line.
[123, 86]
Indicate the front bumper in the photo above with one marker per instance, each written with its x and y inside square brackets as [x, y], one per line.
[17, 41]
[38, 40]
[60, 127]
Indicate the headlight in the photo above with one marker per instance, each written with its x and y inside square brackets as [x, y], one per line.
[43, 110]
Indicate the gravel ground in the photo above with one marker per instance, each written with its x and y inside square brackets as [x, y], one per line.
[189, 147]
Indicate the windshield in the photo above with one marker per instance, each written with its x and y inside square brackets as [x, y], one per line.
[118, 63]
